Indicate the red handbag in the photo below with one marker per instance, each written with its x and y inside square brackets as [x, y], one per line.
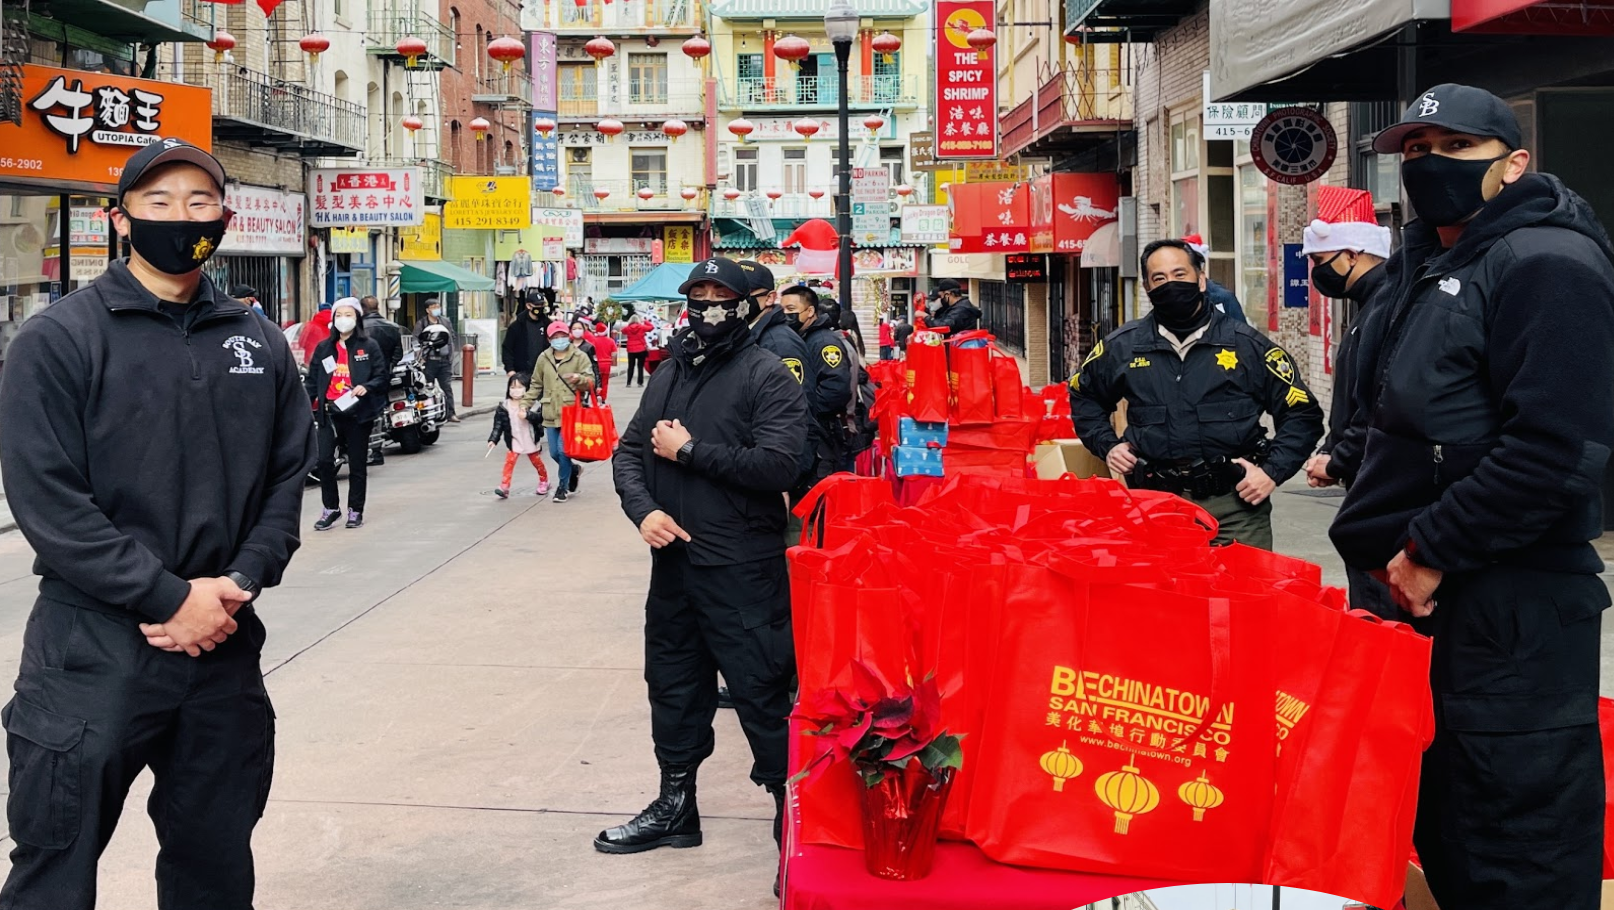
[588, 432]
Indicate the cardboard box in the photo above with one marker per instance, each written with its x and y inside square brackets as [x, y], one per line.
[916, 461]
[1068, 456]
[920, 434]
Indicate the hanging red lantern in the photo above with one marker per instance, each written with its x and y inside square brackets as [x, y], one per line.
[646, 193]
[792, 48]
[222, 43]
[816, 194]
[413, 123]
[697, 47]
[480, 127]
[689, 193]
[610, 127]
[731, 194]
[599, 48]
[543, 126]
[982, 40]
[903, 190]
[412, 49]
[506, 50]
[874, 122]
[742, 128]
[559, 191]
[674, 128]
[886, 45]
[314, 45]
[806, 126]
[774, 194]
[600, 194]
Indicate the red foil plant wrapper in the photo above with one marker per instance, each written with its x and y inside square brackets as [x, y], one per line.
[893, 739]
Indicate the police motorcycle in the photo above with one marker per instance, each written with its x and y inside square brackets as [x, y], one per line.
[416, 408]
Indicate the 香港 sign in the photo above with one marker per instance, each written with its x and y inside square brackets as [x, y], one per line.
[78, 128]
[497, 203]
[378, 197]
[267, 222]
[966, 82]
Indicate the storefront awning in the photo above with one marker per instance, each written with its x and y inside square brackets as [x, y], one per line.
[434, 276]
[1103, 249]
[1258, 43]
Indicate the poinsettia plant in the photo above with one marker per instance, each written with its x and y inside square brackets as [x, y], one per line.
[880, 728]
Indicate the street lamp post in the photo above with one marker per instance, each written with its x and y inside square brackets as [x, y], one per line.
[840, 24]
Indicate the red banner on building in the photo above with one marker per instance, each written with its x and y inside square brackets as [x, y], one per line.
[966, 82]
[991, 218]
[1067, 208]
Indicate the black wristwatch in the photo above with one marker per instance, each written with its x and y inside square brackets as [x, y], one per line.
[686, 452]
[244, 583]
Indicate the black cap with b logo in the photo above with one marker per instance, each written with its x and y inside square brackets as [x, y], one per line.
[1459, 108]
[725, 272]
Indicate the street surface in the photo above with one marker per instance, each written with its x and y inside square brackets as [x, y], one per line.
[461, 704]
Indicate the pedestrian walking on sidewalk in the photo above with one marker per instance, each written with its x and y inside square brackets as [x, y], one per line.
[562, 372]
[522, 436]
[636, 341]
[439, 346]
[700, 471]
[347, 383]
[604, 355]
[156, 446]
[1478, 496]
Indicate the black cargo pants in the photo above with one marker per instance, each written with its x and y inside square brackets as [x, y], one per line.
[1510, 810]
[95, 705]
[703, 619]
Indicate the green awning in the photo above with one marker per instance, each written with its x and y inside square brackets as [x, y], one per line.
[434, 276]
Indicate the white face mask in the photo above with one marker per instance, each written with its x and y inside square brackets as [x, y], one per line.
[344, 324]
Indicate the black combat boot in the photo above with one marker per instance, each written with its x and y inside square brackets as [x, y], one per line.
[778, 791]
[671, 820]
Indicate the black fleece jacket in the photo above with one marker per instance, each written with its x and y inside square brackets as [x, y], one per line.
[1494, 407]
[1347, 414]
[138, 454]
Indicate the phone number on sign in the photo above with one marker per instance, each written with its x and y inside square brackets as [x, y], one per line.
[22, 164]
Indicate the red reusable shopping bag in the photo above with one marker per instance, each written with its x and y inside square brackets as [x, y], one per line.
[1008, 390]
[1056, 419]
[927, 382]
[588, 432]
[1605, 720]
[970, 377]
[1127, 732]
[830, 509]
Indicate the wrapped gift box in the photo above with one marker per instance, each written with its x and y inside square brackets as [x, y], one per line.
[921, 434]
[916, 461]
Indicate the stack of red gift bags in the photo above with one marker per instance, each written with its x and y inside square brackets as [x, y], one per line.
[1133, 700]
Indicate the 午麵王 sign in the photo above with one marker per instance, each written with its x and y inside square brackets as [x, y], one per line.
[488, 203]
[377, 197]
[79, 128]
[966, 82]
[1025, 268]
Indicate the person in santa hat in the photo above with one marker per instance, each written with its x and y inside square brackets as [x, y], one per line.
[1347, 248]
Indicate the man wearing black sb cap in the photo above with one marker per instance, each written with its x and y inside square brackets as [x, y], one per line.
[156, 444]
[700, 471]
[1478, 498]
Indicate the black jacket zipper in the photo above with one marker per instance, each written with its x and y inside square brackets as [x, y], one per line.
[190, 350]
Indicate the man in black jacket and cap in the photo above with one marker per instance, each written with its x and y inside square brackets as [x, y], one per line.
[957, 313]
[829, 395]
[1478, 498]
[157, 439]
[389, 335]
[701, 471]
[524, 337]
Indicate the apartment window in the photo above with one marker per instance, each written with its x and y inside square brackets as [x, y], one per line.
[745, 169]
[1221, 212]
[893, 158]
[578, 85]
[650, 169]
[1254, 275]
[795, 170]
[888, 78]
[647, 78]
[752, 85]
[1185, 176]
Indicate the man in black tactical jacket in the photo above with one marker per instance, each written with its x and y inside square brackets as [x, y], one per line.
[389, 335]
[831, 393]
[1478, 494]
[777, 331]
[701, 471]
[957, 313]
[1196, 382]
[157, 440]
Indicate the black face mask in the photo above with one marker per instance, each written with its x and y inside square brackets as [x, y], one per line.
[1177, 303]
[1446, 191]
[712, 320]
[1328, 282]
[175, 247]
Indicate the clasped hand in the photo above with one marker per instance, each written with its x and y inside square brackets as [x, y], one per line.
[203, 621]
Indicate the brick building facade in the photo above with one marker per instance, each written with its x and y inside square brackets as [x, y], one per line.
[479, 86]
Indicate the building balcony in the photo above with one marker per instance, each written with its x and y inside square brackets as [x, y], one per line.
[434, 175]
[1142, 20]
[814, 9]
[154, 22]
[391, 21]
[623, 196]
[258, 109]
[506, 90]
[790, 205]
[1069, 111]
[798, 92]
[650, 17]
[657, 105]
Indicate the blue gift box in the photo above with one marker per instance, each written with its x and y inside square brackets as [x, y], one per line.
[916, 461]
[920, 434]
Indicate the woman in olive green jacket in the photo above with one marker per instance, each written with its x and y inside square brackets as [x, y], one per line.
[561, 372]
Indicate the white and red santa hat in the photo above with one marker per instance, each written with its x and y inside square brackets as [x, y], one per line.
[1346, 221]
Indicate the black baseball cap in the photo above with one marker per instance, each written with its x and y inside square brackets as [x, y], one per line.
[725, 272]
[946, 284]
[241, 291]
[167, 151]
[760, 277]
[1460, 108]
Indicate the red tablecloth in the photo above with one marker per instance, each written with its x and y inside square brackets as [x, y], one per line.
[831, 878]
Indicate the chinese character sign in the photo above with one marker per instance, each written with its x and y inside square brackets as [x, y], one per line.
[966, 83]
[424, 241]
[570, 221]
[361, 197]
[79, 128]
[545, 155]
[501, 203]
[991, 218]
[1067, 208]
[267, 222]
[545, 76]
[678, 244]
[924, 224]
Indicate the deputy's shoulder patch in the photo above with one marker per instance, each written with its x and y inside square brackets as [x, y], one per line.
[1096, 353]
[794, 365]
[1279, 364]
[832, 355]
